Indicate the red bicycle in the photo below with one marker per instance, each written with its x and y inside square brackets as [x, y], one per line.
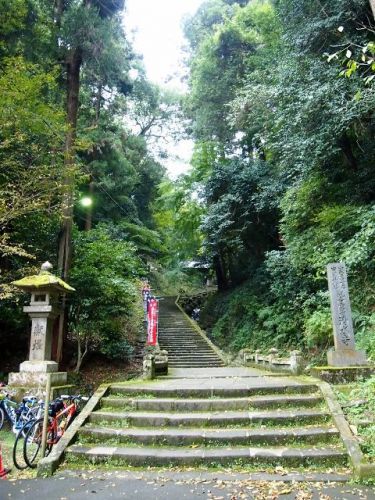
[62, 412]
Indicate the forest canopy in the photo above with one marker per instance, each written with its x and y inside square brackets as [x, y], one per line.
[280, 106]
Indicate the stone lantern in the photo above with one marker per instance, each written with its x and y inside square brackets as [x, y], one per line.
[43, 309]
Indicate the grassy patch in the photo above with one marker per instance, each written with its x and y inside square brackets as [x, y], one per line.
[7, 438]
[325, 466]
[358, 403]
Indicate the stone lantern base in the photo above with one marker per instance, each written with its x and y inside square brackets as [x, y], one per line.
[34, 373]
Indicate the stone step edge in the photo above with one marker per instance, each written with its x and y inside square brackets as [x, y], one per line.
[243, 392]
[193, 356]
[202, 475]
[185, 455]
[255, 435]
[161, 418]
[227, 402]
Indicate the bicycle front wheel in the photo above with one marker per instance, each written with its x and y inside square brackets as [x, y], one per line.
[2, 418]
[32, 446]
[18, 458]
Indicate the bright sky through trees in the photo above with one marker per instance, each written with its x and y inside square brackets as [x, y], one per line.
[158, 36]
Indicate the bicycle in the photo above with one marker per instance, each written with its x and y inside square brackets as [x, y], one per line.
[7, 410]
[17, 414]
[26, 411]
[61, 415]
[34, 413]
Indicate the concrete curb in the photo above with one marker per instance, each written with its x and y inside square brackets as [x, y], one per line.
[197, 328]
[48, 465]
[362, 469]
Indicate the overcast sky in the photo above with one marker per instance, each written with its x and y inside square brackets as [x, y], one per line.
[157, 35]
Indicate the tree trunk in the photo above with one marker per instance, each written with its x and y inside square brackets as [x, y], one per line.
[221, 275]
[73, 66]
[58, 9]
[88, 220]
[80, 354]
[372, 4]
[347, 149]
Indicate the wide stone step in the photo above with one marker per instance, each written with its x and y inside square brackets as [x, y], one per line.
[201, 364]
[188, 350]
[185, 336]
[193, 361]
[187, 456]
[207, 360]
[187, 342]
[203, 392]
[186, 345]
[191, 354]
[178, 331]
[202, 359]
[174, 325]
[215, 364]
[177, 328]
[188, 357]
[209, 437]
[240, 418]
[176, 334]
[180, 405]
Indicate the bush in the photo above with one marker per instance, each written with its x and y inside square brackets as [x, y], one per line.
[318, 329]
[106, 312]
[364, 326]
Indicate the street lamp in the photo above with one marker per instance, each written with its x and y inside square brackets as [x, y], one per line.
[86, 201]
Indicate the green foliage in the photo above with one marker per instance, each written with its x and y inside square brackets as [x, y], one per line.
[318, 329]
[105, 310]
[365, 327]
[359, 405]
[174, 280]
[226, 42]
[284, 165]
[42, 45]
[30, 149]
[178, 216]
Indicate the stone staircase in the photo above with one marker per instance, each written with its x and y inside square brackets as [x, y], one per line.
[185, 346]
[257, 422]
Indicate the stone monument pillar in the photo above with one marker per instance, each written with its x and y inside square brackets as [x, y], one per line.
[344, 353]
[43, 309]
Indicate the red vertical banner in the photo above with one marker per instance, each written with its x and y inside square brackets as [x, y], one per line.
[152, 322]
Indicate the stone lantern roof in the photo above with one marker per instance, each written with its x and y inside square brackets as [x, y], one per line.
[44, 281]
